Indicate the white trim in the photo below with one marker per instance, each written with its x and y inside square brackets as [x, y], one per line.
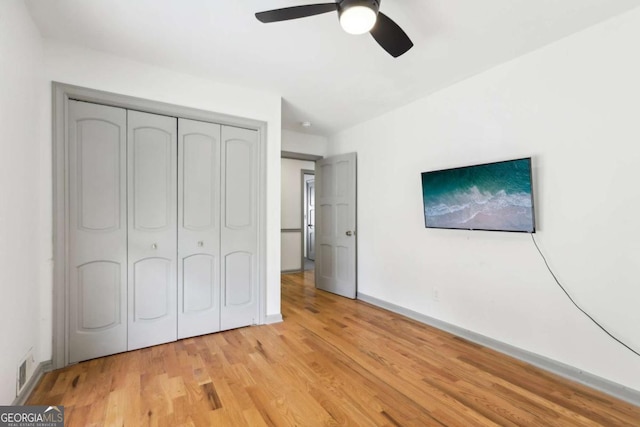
[299, 156]
[569, 372]
[273, 318]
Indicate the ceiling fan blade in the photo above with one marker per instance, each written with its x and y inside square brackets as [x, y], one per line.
[390, 36]
[295, 12]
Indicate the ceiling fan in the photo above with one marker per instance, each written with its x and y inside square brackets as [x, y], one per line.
[356, 17]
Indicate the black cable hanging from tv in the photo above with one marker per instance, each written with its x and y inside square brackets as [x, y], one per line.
[574, 303]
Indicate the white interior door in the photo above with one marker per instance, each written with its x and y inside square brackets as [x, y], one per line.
[336, 225]
[311, 219]
[152, 196]
[198, 228]
[97, 231]
[239, 229]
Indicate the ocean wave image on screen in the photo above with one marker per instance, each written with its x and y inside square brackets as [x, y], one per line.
[495, 196]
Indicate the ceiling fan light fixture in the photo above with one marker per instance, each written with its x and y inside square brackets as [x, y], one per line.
[358, 16]
[355, 16]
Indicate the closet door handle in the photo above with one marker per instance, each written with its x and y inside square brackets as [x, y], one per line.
[200, 244]
[154, 246]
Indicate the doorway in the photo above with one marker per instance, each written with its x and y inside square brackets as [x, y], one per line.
[319, 230]
[297, 223]
[308, 219]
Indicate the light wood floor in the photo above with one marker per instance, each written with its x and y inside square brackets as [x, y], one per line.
[332, 361]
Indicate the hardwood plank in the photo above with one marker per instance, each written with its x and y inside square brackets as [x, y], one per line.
[333, 361]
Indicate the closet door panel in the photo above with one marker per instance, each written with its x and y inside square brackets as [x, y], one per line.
[238, 279]
[153, 184]
[200, 175]
[152, 205]
[99, 296]
[198, 228]
[152, 276]
[239, 172]
[97, 234]
[239, 233]
[200, 294]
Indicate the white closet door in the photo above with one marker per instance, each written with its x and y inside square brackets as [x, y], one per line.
[198, 228]
[97, 231]
[239, 231]
[152, 207]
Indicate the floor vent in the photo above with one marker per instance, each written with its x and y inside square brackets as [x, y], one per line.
[24, 370]
[22, 375]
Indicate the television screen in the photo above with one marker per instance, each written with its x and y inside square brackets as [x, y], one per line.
[493, 196]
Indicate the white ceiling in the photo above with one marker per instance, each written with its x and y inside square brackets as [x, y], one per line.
[324, 75]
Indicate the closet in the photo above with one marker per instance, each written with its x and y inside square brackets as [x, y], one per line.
[162, 234]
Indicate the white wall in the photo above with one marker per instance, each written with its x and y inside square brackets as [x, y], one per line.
[298, 142]
[574, 107]
[291, 211]
[92, 69]
[23, 255]
[27, 67]
[291, 251]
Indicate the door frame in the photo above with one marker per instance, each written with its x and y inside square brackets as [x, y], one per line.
[61, 94]
[303, 240]
[292, 155]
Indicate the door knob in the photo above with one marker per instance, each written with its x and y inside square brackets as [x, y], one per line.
[154, 246]
[348, 233]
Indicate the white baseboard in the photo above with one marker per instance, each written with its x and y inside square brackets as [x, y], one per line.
[273, 318]
[569, 372]
[26, 391]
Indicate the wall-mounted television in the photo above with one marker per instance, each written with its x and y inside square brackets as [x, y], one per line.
[492, 196]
